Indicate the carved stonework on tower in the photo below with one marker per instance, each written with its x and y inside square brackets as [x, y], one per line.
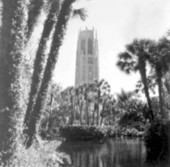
[87, 65]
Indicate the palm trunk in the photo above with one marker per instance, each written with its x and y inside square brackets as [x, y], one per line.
[73, 111]
[97, 118]
[87, 112]
[34, 12]
[159, 80]
[81, 107]
[51, 62]
[14, 17]
[93, 117]
[51, 103]
[40, 60]
[146, 90]
[102, 115]
[101, 121]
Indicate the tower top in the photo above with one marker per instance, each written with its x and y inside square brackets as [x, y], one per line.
[86, 32]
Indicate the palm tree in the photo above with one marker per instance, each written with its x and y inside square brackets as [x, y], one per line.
[13, 30]
[102, 88]
[106, 108]
[151, 84]
[71, 96]
[40, 59]
[133, 60]
[123, 99]
[84, 102]
[59, 30]
[81, 95]
[90, 100]
[159, 60]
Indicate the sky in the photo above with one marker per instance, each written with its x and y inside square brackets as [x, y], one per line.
[117, 22]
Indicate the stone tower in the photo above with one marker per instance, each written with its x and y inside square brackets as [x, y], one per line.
[87, 63]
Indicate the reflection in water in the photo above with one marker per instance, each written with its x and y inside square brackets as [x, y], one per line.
[112, 153]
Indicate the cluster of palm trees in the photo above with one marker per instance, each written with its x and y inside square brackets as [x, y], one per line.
[144, 54]
[93, 105]
[18, 21]
[85, 104]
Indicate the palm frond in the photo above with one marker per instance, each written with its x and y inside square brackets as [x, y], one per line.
[81, 13]
[124, 56]
[132, 47]
[125, 66]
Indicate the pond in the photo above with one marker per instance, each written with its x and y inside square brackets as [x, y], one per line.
[111, 153]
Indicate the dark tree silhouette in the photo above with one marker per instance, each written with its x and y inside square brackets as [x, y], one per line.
[133, 60]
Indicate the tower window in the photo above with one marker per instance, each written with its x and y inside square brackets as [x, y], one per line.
[90, 47]
[83, 46]
[90, 60]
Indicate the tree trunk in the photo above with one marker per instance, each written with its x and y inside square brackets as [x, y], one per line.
[87, 112]
[14, 18]
[51, 103]
[102, 114]
[72, 111]
[101, 121]
[34, 12]
[51, 62]
[40, 60]
[93, 116]
[159, 81]
[81, 107]
[146, 90]
[97, 118]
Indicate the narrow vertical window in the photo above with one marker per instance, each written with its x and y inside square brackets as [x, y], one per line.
[83, 46]
[90, 47]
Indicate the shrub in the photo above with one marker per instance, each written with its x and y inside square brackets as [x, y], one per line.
[40, 154]
[157, 141]
[133, 119]
[83, 133]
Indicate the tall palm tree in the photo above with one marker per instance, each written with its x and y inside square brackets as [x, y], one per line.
[90, 99]
[101, 88]
[80, 93]
[84, 102]
[106, 107]
[133, 60]
[68, 102]
[71, 97]
[159, 60]
[40, 59]
[13, 30]
[59, 31]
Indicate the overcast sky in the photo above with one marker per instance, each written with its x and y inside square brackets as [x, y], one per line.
[117, 23]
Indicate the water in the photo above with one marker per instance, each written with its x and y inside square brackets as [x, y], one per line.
[112, 153]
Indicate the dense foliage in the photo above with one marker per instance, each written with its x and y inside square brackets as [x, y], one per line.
[157, 141]
[30, 104]
[83, 133]
[97, 133]
[154, 54]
